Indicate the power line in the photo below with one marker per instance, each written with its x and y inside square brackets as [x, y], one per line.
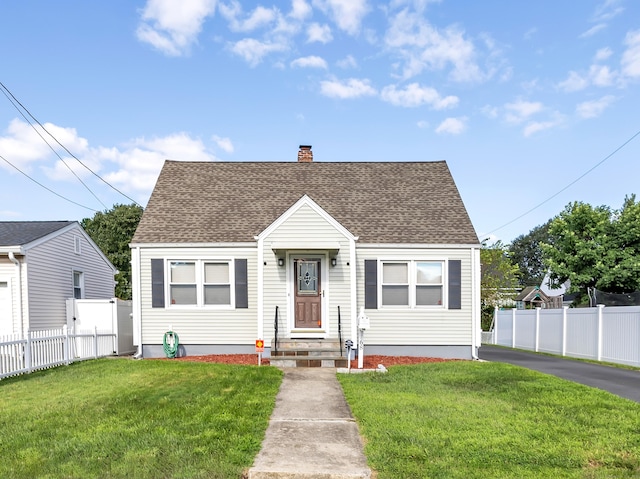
[53, 150]
[45, 187]
[65, 148]
[568, 186]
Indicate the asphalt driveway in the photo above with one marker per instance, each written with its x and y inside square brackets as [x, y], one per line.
[622, 382]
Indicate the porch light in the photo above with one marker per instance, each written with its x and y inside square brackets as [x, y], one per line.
[280, 261]
[334, 261]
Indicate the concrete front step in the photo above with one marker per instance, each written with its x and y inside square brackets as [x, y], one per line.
[308, 353]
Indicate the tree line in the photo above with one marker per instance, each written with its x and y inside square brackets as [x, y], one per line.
[583, 246]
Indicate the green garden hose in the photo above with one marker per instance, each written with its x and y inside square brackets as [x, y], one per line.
[170, 343]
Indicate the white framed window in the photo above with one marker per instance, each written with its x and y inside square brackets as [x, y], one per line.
[78, 285]
[200, 283]
[217, 283]
[429, 283]
[183, 289]
[412, 284]
[395, 284]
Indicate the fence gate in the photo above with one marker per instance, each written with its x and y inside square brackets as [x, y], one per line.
[107, 316]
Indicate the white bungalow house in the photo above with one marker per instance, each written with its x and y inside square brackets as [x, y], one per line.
[42, 264]
[227, 253]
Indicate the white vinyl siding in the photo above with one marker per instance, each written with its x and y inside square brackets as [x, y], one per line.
[304, 226]
[9, 320]
[207, 325]
[420, 325]
[49, 271]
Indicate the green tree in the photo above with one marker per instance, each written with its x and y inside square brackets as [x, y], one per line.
[499, 281]
[526, 252]
[112, 231]
[595, 248]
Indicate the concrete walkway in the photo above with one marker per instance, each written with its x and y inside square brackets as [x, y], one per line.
[312, 433]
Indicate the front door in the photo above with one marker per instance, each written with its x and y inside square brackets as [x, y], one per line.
[308, 293]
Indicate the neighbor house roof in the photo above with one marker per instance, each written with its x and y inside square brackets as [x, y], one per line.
[17, 233]
[531, 293]
[380, 202]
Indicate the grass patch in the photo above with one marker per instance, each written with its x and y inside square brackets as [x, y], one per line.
[117, 418]
[491, 420]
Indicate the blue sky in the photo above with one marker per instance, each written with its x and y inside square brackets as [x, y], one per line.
[520, 98]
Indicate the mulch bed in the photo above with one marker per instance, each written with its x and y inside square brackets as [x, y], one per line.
[370, 362]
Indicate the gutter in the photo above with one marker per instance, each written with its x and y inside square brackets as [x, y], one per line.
[15, 261]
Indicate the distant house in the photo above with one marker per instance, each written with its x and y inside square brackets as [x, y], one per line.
[227, 253]
[42, 264]
[533, 297]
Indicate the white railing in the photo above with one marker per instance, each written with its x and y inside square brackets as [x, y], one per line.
[610, 334]
[49, 348]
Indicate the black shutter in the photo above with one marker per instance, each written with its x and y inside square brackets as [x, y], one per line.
[157, 283]
[371, 284]
[455, 284]
[242, 292]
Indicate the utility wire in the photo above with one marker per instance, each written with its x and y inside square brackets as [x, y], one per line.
[53, 150]
[46, 188]
[568, 186]
[65, 148]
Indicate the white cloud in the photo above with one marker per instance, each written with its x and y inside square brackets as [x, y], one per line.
[452, 126]
[423, 124]
[253, 51]
[132, 168]
[594, 108]
[490, 111]
[258, 18]
[300, 9]
[348, 62]
[601, 76]
[351, 88]
[347, 14]
[602, 54]
[607, 10]
[575, 82]
[319, 33]
[23, 147]
[631, 57]
[309, 62]
[520, 111]
[414, 95]
[172, 27]
[537, 126]
[140, 162]
[421, 46]
[224, 144]
[593, 30]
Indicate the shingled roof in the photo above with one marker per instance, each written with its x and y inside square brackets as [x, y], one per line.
[380, 202]
[18, 233]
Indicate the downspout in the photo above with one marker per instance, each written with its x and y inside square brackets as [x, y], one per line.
[137, 301]
[15, 261]
[475, 313]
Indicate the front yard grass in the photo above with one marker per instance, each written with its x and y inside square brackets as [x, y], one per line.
[117, 418]
[491, 420]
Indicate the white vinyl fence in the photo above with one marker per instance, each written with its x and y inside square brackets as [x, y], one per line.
[50, 348]
[610, 334]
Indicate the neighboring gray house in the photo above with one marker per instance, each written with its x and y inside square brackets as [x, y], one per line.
[42, 264]
[224, 250]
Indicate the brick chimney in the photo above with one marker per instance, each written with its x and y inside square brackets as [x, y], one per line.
[305, 155]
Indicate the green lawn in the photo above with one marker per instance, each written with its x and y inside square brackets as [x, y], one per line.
[119, 418]
[490, 420]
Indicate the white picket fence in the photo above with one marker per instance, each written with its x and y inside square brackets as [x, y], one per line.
[610, 334]
[50, 348]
